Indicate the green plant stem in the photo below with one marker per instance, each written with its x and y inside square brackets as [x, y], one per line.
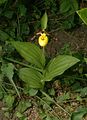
[18, 28]
[1, 86]
[55, 102]
[49, 107]
[23, 64]
[43, 50]
[15, 88]
[78, 78]
[11, 85]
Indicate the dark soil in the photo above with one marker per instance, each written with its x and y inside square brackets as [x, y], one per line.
[76, 39]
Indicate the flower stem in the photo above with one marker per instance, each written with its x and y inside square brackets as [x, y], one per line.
[44, 50]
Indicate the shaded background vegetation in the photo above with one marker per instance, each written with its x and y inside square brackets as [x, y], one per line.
[21, 18]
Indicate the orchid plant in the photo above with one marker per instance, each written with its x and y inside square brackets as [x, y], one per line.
[38, 71]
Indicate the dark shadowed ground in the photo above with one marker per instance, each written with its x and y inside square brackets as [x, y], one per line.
[76, 39]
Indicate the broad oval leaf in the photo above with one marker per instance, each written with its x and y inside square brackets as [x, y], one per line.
[31, 53]
[44, 21]
[31, 77]
[86, 63]
[58, 65]
[22, 10]
[83, 14]
[75, 5]
[85, 60]
[2, 1]
[8, 14]
[79, 114]
[5, 37]
[8, 71]
[86, 75]
[67, 6]
[64, 6]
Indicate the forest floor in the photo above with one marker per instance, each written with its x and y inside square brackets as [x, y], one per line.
[75, 40]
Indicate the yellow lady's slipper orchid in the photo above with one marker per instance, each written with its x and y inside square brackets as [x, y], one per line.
[43, 40]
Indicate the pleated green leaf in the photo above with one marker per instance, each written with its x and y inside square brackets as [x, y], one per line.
[58, 65]
[83, 14]
[44, 21]
[31, 77]
[31, 53]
